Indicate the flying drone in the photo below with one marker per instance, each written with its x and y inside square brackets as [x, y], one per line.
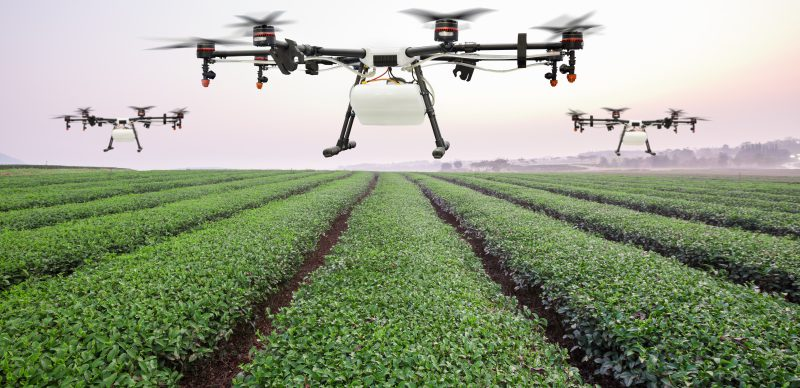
[123, 129]
[388, 99]
[633, 132]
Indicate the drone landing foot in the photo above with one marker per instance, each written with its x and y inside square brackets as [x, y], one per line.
[108, 149]
[138, 145]
[441, 145]
[344, 143]
[649, 151]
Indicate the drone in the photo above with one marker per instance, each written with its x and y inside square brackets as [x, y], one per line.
[388, 99]
[123, 129]
[633, 132]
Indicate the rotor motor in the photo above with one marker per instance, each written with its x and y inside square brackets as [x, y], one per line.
[263, 36]
[446, 30]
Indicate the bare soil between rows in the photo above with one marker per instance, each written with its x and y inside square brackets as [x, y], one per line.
[224, 364]
[529, 297]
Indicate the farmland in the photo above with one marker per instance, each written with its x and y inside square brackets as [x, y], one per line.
[320, 278]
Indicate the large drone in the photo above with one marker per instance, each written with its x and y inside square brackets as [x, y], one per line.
[388, 99]
[123, 129]
[633, 132]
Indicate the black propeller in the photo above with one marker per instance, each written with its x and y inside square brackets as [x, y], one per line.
[575, 113]
[675, 112]
[620, 110]
[179, 113]
[565, 23]
[84, 111]
[193, 41]
[446, 24]
[270, 19]
[429, 16]
[144, 108]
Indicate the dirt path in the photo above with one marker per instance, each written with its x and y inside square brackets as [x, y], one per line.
[525, 296]
[223, 365]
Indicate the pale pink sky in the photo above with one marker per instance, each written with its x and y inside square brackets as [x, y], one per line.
[732, 61]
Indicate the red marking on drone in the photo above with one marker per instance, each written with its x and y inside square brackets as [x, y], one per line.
[446, 29]
[572, 40]
[205, 49]
[264, 34]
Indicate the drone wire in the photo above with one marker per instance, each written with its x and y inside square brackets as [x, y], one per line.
[376, 78]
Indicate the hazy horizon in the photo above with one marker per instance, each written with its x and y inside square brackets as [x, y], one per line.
[730, 61]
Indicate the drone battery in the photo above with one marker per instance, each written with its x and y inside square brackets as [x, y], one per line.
[635, 138]
[123, 135]
[379, 103]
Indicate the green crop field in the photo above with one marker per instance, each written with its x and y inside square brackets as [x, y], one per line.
[336, 278]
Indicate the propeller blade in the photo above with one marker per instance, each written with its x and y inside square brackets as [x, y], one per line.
[565, 23]
[192, 42]
[430, 16]
[270, 19]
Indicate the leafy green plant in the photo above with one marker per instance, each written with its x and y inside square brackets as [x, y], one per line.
[137, 319]
[642, 317]
[403, 301]
[58, 194]
[43, 216]
[60, 248]
[777, 223]
[771, 262]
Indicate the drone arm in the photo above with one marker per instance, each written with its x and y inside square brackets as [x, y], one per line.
[474, 47]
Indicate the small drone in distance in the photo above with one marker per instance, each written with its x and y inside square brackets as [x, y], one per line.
[385, 98]
[123, 129]
[633, 132]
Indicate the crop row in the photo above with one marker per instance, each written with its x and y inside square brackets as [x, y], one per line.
[719, 197]
[702, 188]
[640, 316]
[130, 177]
[60, 248]
[59, 176]
[402, 300]
[42, 216]
[141, 317]
[777, 223]
[771, 262]
[56, 196]
[719, 183]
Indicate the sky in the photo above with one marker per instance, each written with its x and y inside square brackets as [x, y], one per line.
[731, 61]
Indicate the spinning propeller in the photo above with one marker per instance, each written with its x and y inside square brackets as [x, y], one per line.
[616, 112]
[263, 28]
[564, 23]
[84, 111]
[141, 111]
[575, 113]
[179, 113]
[446, 24]
[194, 41]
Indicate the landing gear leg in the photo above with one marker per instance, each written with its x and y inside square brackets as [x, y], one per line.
[110, 143]
[441, 145]
[649, 151]
[136, 136]
[620, 142]
[344, 143]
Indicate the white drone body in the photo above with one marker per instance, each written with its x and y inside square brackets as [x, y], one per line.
[123, 131]
[387, 103]
[634, 135]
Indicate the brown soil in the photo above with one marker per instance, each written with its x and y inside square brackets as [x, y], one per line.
[223, 365]
[525, 296]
